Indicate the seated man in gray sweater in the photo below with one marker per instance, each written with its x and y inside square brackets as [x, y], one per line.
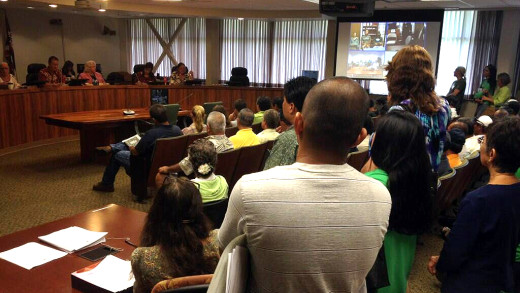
[316, 225]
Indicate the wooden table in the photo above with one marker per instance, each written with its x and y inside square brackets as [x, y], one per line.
[54, 276]
[99, 128]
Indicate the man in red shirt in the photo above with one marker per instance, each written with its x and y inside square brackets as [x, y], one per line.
[52, 74]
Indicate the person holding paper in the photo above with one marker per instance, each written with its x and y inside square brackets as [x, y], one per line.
[176, 240]
[121, 152]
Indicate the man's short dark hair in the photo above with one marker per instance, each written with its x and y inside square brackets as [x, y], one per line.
[246, 117]
[148, 65]
[272, 118]
[158, 112]
[469, 122]
[296, 89]
[264, 103]
[504, 137]
[278, 102]
[457, 140]
[240, 104]
[52, 58]
[333, 114]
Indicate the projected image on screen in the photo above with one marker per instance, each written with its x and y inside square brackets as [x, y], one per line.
[373, 44]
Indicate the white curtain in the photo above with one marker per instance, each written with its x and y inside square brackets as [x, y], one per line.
[456, 41]
[245, 43]
[189, 47]
[298, 45]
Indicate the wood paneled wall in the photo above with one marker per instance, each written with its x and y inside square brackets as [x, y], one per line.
[20, 109]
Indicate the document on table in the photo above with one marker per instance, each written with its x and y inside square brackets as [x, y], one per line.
[74, 238]
[112, 274]
[31, 255]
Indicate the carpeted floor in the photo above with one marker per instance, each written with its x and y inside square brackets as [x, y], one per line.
[48, 182]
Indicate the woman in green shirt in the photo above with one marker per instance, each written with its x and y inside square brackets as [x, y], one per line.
[203, 158]
[400, 161]
[489, 84]
[502, 93]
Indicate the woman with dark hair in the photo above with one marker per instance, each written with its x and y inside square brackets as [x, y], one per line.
[399, 160]
[176, 240]
[180, 74]
[488, 84]
[479, 254]
[146, 76]
[68, 70]
[411, 86]
[203, 158]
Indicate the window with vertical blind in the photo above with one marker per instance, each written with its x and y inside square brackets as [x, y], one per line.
[298, 45]
[246, 43]
[273, 51]
[189, 47]
[457, 34]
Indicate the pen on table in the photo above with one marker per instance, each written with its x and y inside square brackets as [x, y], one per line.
[127, 241]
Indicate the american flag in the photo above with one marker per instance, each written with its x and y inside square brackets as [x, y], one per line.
[8, 48]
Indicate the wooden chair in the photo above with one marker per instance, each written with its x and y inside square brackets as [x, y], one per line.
[270, 144]
[194, 137]
[193, 284]
[249, 161]
[257, 128]
[167, 151]
[357, 159]
[230, 131]
[215, 211]
[226, 163]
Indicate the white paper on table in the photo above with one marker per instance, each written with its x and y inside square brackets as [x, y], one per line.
[31, 254]
[73, 238]
[112, 274]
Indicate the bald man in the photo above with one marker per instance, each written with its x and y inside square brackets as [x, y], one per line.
[318, 224]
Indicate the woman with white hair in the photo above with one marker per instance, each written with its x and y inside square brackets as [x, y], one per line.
[91, 75]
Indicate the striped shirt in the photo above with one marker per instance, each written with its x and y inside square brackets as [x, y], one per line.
[309, 228]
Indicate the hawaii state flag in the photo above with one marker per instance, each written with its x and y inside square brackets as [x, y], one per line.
[8, 48]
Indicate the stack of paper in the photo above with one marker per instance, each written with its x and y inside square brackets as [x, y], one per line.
[31, 255]
[112, 274]
[74, 238]
[238, 270]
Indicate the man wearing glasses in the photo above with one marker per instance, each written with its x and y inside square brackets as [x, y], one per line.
[318, 224]
[6, 77]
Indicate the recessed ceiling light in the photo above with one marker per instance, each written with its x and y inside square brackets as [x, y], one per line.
[3, 0]
[30, 7]
[53, 5]
[102, 10]
[240, 18]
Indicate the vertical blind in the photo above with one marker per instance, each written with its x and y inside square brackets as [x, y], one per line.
[246, 44]
[456, 41]
[273, 51]
[189, 47]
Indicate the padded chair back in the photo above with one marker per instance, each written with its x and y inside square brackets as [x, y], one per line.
[115, 78]
[194, 137]
[461, 181]
[208, 107]
[357, 159]
[230, 131]
[249, 161]
[32, 71]
[215, 211]
[172, 111]
[448, 183]
[138, 68]
[226, 163]
[167, 151]
[257, 128]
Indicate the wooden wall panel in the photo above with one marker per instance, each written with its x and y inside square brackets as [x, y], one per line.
[20, 109]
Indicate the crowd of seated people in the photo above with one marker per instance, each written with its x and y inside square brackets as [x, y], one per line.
[387, 208]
